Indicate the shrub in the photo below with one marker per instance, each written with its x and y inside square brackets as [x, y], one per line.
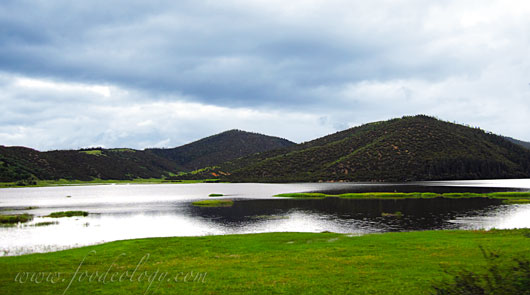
[500, 276]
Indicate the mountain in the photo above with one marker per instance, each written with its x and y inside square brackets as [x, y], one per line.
[219, 148]
[405, 149]
[17, 163]
[519, 142]
[21, 163]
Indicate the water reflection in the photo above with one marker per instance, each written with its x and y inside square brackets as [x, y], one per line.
[349, 215]
[140, 211]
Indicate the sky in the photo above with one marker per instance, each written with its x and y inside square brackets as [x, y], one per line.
[138, 74]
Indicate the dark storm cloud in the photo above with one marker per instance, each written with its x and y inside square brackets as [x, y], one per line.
[220, 54]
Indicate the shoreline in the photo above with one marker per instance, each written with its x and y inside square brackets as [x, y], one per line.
[64, 182]
[506, 197]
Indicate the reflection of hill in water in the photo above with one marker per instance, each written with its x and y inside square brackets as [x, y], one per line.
[417, 214]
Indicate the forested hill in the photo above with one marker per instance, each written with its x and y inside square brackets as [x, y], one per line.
[219, 148]
[21, 163]
[519, 142]
[405, 149]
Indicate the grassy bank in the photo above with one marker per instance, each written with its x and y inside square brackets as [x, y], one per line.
[65, 182]
[15, 218]
[67, 214]
[507, 197]
[213, 203]
[390, 263]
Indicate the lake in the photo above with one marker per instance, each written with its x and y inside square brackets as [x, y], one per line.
[120, 212]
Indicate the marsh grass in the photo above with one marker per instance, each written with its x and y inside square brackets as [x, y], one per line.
[508, 197]
[15, 218]
[67, 214]
[213, 203]
[19, 208]
[44, 223]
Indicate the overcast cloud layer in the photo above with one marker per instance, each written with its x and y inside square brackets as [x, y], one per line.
[162, 73]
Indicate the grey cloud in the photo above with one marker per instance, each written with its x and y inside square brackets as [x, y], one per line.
[349, 62]
[186, 48]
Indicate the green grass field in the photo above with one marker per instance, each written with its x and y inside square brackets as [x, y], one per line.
[272, 263]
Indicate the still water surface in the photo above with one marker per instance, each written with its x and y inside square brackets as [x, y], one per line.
[138, 211]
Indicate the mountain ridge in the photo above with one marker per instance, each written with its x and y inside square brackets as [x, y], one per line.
[403, 149]
[20, 163]
[524, 144]
[221, 147]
